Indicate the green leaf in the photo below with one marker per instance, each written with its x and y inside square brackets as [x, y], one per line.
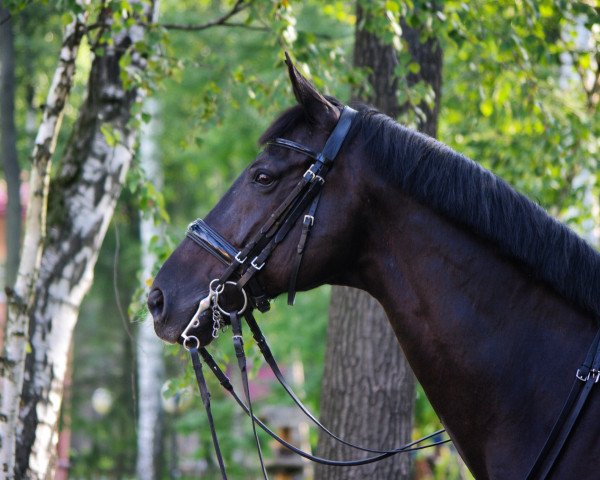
[414, 67]
[486, 107]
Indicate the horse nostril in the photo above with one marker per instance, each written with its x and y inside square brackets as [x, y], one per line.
[156, 304]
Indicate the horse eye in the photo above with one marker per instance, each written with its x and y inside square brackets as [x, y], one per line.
[264, 179]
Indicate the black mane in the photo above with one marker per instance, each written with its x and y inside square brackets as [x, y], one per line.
[470, 195]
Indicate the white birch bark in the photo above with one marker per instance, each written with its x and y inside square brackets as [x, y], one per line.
[21, 299]
[150, 362]
[84, 194]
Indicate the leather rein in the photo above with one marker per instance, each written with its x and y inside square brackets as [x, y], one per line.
[239, 277]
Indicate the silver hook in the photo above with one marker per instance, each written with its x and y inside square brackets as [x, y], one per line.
[203, 305]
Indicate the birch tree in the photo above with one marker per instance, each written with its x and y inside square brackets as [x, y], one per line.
[20, 301]
[57, 270]
[150, 362]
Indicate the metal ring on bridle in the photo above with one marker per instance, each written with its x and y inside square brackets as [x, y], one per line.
[189, 347]
[224, 312]
[220, 286]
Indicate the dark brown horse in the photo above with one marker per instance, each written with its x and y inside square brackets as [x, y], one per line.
[493, 302]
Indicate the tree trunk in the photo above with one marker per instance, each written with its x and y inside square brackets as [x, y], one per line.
[21, 299]
[150, 363]
[8, 149]
[83, 196]
[428, 54]
[368, 386]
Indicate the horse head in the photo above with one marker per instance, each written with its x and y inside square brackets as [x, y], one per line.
[288, 165]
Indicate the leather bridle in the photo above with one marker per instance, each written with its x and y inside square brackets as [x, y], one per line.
[239, 275]
[244, 264]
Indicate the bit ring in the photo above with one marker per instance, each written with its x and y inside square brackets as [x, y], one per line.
[224, 312]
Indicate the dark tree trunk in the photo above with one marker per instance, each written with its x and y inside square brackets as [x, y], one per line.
[429, 57]
[8, 142]
[368, 386]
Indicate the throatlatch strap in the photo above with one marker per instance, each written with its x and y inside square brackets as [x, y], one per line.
[307, 224]
[205, 394]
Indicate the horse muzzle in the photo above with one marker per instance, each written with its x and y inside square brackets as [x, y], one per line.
[169, 323]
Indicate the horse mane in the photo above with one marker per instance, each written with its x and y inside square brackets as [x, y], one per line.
[463, 191]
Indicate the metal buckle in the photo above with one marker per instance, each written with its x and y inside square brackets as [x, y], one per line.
[255, 266]
[309, 175]
[583, 378]
[595, 374]
[309, 220]
[237, 258]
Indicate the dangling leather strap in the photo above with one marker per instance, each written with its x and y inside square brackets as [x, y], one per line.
[238, 345]
[205, 394]
[586, 377]
[307, 224]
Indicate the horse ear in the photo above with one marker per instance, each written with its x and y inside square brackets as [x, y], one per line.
[316, 106]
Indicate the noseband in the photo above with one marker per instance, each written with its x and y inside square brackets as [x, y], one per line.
[240, 274]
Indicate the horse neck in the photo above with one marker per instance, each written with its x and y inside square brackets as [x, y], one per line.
[484, 338]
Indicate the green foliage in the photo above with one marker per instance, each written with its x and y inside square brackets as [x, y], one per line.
[104, 444]
[523, 102]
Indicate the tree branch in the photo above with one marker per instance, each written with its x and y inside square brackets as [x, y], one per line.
[221, 21]
[5, 19]
[192, 28]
